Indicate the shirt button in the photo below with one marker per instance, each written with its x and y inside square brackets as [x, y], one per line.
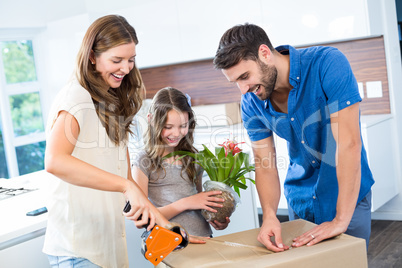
[292, 119]
[302, 142]
[297, 78]
[313, 162]
[313, 196]
[348, 102]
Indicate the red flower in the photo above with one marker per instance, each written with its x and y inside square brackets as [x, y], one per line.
[231, 146]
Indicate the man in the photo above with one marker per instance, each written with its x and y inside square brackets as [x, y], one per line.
[310, 98]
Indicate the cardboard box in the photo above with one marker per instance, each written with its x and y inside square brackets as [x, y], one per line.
[217, 114]
[342, 251]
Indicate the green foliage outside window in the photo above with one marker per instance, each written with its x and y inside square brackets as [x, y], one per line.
[17, 58]
[18, 61]
[26, 114]
[3, 163]
[31, 157]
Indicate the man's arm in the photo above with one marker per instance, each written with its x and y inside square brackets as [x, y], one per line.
[346, 131]
[348, 159]
[269, 191]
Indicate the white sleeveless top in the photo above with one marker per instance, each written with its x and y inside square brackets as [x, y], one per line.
[84, 222]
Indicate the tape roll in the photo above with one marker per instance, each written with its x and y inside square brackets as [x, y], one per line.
[178, 229]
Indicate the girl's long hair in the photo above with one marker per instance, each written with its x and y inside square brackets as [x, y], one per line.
[115, 107]
[165, 100]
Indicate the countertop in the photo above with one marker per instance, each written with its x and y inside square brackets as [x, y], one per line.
[14, 222]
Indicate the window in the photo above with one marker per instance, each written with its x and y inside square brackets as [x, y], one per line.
[22, 137]
[3, 162]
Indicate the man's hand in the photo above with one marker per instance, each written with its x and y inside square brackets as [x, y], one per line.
[319, 233]
[271, 228]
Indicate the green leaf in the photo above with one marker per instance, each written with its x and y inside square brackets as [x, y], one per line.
[228, 164]
[238, 162]
[246, 161]
[240, 185]
[241, 174]
[236, 190]
[207, 152]
[211, 169]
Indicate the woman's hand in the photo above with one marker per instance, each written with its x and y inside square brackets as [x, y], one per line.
[204, 200]
[142, 212]
[220, 225]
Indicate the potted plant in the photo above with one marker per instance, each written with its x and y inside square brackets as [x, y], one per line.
[226, 170]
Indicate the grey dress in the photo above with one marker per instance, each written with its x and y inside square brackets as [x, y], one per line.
[166, 190]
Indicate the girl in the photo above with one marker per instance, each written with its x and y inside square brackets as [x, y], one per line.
[175, 187]
[86, 149]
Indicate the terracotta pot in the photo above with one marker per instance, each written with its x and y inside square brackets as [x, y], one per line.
[229, 205]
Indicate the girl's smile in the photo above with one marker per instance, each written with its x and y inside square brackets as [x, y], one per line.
[175, 129]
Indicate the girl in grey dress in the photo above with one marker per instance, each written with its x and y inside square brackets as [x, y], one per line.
[172, 185]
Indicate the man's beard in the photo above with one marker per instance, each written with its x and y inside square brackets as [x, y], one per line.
[269, 75]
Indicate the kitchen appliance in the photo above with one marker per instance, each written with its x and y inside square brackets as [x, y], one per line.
[6, 192]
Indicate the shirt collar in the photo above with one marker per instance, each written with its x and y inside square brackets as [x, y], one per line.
[295, 70]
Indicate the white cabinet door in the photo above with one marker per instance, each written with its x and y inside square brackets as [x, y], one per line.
[282, 164]
[378, 140]
[25, 251]
[134, 242]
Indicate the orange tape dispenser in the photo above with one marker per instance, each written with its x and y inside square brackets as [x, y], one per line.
[161, 241]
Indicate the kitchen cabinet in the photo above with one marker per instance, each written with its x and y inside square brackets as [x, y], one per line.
[380, 145]
[134, 245]
[21, 236]
[282, 164]
[24, 251]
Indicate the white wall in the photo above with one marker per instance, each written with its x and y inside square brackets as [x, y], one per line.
[60, 43]
[173, 31]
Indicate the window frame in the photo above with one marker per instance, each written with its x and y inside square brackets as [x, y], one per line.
[10, 141]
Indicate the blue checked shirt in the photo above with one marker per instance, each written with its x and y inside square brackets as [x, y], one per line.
[323, 83]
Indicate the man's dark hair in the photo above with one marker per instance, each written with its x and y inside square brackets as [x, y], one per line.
[240, 42]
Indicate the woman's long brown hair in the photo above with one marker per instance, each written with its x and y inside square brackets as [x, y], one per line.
[115, 107]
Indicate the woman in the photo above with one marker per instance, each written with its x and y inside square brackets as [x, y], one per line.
[87, 136]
